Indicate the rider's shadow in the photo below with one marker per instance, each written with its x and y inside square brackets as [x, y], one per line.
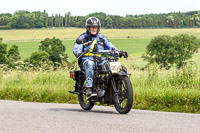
[80, 110]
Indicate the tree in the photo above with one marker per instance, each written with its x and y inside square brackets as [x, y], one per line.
[4, 20]
[68, 15]
[60, 21]
[3, 52]
[108, 22]
[197, 19]
[101, 16]
[26, 19]
[167, 51]
[50, 19]
[38, 58]
[46, 19]
[184, 47]
[54, 48]
[170, 21]
[40, 18]
[159, 51]
[57, 24]
[13, 55]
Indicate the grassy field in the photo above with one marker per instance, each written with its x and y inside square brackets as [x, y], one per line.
[73, 33]
[29, 40]
[154, 89]
[132, 46]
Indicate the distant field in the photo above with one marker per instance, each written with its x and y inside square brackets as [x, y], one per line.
[73, 33]
[132, 40]
[132, 46]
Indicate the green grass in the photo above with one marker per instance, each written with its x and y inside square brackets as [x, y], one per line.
[37, 87]
[132, 46]
[153, 89]
[167, 90]
[25, 48]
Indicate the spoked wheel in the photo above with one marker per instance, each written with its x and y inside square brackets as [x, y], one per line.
[124, 100]
[85, 104]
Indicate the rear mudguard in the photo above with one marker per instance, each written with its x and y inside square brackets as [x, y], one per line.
[79, 76]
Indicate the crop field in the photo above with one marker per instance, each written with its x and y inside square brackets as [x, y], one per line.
[73, 33]
[176, 90]
[132, 40]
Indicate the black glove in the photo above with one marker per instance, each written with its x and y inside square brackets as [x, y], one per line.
[125, 54]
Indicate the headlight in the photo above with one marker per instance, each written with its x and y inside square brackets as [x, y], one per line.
[115, 67]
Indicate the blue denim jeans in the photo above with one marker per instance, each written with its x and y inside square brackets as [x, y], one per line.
[89, 66]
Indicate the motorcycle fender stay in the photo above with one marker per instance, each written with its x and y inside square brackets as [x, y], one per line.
[122, 73]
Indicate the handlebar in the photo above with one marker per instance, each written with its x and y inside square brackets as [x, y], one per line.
[113, 53]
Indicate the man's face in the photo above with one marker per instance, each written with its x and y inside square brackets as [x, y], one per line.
[93, 30]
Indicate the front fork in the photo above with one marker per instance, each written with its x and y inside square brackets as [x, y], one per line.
[114, 86]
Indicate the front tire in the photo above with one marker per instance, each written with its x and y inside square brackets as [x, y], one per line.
[123, 101]
[84, 103]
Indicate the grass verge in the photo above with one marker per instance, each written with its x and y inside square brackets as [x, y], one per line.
[153, 89]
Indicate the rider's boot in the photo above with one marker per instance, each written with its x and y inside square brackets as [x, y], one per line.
[88, 91]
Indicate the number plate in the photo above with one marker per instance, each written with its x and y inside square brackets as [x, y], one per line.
[115, 67]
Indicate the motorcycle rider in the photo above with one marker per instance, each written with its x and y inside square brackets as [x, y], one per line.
[91, 41]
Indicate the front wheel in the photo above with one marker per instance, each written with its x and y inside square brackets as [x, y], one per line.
[84, 103]
[123, 101]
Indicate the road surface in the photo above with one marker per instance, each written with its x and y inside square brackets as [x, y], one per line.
[28, 117]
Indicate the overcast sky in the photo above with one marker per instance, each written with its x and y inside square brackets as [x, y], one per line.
[113, 7]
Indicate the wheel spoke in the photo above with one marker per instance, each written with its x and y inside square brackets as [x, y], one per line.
[124, 86]
[124, 98]
[122, 95]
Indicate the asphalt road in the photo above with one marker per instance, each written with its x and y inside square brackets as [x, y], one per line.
[27, 117]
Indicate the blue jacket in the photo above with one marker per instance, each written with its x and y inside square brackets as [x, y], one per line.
[83, 38]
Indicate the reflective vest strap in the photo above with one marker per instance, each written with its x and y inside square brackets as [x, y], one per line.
[92, 46]
[91, 54]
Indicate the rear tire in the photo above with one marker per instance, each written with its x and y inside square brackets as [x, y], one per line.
[124, 100]
[84, 103]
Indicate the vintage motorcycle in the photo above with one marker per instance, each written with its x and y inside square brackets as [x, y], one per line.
[111, 83]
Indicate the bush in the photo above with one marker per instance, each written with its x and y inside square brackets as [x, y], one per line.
[184, 47]
[13, 56]
[54, 48]
[3, 52]
[38, 58]
[167, 51]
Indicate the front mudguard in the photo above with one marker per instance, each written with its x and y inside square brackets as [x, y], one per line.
[114, 75]
[112, 90]
[122, 73]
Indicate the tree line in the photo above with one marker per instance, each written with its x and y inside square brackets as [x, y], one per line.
[25, 20]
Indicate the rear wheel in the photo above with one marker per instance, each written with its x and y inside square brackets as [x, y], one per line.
[123, 101]
[84, 103]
